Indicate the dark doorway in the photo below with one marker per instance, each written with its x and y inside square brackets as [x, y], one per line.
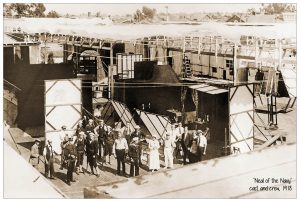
[224, 74]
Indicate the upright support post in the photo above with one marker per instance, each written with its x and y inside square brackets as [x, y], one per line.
[279, 55]
[235, 79]
[65, 53]
[110, 71]
[216, 53]
[256, 52]
[199, 45]
[225, 145]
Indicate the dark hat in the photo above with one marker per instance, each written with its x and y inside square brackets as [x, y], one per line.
[64, 127]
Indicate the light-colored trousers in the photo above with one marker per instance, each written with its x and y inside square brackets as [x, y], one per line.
[168, 152]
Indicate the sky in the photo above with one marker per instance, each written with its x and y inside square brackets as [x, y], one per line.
[122, 9]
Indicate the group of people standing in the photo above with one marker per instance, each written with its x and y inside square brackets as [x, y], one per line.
[98, 142]
[180, 142]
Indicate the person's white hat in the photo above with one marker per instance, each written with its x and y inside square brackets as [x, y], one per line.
[137, 127]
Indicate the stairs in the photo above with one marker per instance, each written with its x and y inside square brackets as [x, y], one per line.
[187, 70]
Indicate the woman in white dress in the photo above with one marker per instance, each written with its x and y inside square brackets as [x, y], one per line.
[154, 163]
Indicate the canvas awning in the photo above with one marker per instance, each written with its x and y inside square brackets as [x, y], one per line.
[156, 124]
[208, 89]
[122, 111]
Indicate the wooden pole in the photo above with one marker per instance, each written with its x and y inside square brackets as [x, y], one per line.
[256, 52]
[111, 72]
[279, 55]
[216, 53]
[235, 79]
[225, 151]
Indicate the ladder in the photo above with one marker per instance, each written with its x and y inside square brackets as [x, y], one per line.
[187, 70]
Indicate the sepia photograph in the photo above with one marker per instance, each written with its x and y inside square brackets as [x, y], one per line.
[149, 100]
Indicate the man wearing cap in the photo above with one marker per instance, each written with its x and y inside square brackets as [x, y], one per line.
[70, 155]
[169, 146]
[49, 159]
[91, 152]
[89, 128]
[119, 151]
[141, 137]
[137, 133]
[101, 131]
[178, 133]
[35, 154]
[202, 144]
[134, 156]
[79, 128]
[63, 140]
[109, 142]
[186, 140]
[127, 131]
[80, 147]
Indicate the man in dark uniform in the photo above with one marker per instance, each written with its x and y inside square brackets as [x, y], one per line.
[134, 154]
[127, 132]
[49, 159]
[185, 143]
[101, 131]
[80, 147]
[80, 128]
[109, 142]
[91, 152]
[141, 137]
[89, 128]
[70, 155]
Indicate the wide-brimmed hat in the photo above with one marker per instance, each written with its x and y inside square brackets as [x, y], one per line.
[137, 127]
[37, 140]
[64, 127]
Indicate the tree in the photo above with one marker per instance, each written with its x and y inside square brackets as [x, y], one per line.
[148, 12]
[20, 8]
[278, 8]
[138, 16]
[53, 14]
[7, 11]
[39, 10]
[34, 9]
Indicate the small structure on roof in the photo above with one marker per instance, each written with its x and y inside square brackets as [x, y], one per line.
[236, 18]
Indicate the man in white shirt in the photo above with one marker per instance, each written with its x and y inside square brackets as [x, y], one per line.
[120, 148]
[169, 145]
[173, 132]
[202, 144]
[64, 137]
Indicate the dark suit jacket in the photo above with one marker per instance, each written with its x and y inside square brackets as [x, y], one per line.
[134, 151]
[186, 141]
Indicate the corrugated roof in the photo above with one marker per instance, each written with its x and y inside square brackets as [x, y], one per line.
[208, 89]
[10, 41]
